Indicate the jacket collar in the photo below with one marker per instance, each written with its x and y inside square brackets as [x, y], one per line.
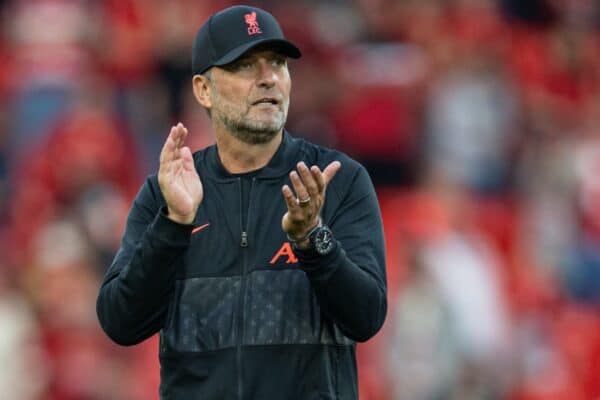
[284, 159]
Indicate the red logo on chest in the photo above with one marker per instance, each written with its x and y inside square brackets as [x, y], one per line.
[285, 251]
[253, 27]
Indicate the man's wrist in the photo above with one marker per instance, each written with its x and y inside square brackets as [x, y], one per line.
[165, 229]
[304, 239]
[180, 219]
[302, 244]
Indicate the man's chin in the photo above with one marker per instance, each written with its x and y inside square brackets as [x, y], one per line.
[258, 133]
[264, 126]
[265, 121]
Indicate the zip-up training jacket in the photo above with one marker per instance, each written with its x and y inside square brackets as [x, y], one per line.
[240, 315]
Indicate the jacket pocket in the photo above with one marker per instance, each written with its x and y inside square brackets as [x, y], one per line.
[182, 377]
[190, 376]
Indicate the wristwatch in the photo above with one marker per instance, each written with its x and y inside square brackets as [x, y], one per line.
[320, 240]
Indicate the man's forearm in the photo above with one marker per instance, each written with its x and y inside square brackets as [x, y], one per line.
[133, 300]
[347, 293]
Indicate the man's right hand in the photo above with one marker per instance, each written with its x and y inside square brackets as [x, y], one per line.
[177, 177]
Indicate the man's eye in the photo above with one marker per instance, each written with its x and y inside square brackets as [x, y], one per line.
[279, 62]
[242, 66]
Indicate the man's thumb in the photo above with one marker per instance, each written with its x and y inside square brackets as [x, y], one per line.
[331, 170]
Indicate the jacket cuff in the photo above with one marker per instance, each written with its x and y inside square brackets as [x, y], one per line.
[317, 266]
[165, 232]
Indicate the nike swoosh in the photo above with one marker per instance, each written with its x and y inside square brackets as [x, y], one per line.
[199, 228]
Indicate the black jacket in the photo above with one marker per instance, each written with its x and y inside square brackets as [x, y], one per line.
[239, 315]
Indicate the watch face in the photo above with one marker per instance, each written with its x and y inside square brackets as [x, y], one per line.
[323, 240]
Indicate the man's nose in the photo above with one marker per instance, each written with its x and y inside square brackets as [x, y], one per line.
[267, 75]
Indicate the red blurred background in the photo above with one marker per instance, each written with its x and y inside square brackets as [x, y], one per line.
[478, 120]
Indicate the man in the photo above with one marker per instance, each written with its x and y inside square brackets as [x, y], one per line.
[258, 286]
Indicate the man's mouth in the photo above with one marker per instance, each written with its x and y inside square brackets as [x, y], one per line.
[267, 100]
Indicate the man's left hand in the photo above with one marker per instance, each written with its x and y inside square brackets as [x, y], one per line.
[304, 203]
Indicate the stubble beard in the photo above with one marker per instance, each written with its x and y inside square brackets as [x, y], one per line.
[245, 128]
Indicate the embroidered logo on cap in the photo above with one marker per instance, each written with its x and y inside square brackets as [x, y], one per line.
[253, 27]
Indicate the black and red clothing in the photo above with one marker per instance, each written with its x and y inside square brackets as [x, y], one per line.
[240, 316]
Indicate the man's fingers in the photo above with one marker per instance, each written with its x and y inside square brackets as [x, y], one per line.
[288, 195]
[318, 176]
[299, 187]
[181, 133]
[330, 171]
[308, 180]
[185, 130]
[179, 136]
[187, 158]
[166, 154]
[176, 138]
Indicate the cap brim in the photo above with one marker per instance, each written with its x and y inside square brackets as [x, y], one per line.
[282, 46]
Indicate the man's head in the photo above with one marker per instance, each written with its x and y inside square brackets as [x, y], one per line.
[240, 72]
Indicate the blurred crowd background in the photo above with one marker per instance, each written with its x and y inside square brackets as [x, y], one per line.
[479, 121]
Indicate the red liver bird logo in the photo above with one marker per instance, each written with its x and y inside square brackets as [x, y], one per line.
[253, 27]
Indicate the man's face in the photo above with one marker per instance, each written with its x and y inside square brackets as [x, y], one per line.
[250, 97]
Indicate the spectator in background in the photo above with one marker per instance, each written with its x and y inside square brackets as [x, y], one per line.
[87, 148]
[422, 358]
[49, 52]
[60, 282]
[25, 371]
[472, 120]
[453, 299]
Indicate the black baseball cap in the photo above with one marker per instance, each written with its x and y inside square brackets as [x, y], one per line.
[230, 33]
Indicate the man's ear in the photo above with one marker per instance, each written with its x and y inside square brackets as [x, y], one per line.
[202, 91]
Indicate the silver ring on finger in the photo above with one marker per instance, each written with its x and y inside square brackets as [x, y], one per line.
[304, 202]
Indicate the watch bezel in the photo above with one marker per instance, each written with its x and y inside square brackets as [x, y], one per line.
[317, 241]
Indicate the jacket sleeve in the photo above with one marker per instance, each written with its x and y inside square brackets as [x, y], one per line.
[350, 283]
[135, 293]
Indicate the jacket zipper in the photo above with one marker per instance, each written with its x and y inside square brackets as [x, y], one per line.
[242, 300]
